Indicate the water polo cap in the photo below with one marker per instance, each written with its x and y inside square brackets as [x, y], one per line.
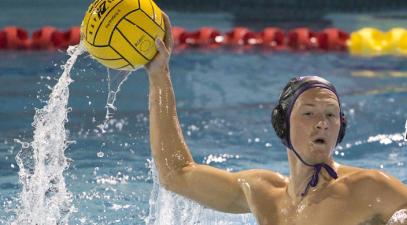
[280, 118]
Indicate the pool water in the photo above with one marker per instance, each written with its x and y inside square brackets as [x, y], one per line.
[224, 101]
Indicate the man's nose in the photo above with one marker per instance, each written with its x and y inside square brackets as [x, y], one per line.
[322, 124]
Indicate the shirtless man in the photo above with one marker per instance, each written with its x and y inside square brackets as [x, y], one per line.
[318, 191]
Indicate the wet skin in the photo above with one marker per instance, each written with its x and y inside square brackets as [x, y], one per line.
[358, 196]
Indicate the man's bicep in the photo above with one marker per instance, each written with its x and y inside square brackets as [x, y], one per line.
[215, 188]
[220, 189]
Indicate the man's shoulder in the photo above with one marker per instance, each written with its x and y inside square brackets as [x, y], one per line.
[382, 192]
[371, 181]
[361, 176]
[262, 176]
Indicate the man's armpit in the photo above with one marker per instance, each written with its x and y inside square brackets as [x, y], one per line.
[374, 220]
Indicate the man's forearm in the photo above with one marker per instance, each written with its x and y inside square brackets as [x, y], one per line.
[168, 146]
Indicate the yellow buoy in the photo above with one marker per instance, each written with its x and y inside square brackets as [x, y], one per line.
[392, 41]
[403, 44]
[371, 41]
[367, 41]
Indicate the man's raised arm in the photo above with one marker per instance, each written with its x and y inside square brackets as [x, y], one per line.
[177, 170]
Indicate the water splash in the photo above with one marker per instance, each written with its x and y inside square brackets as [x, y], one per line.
[399, 217]
[115, 80]
[167, 208]
[44, 198]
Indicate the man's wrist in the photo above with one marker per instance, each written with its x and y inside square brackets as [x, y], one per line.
[158, 72]
[158, 78]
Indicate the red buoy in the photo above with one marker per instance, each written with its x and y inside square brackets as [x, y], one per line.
[42, 39]
[272, 37]
[179, 35]
[62, 40]
[302, 39]
[15, 38]
[206, 37]
[241, 36]
[2, 39]
[332, 39]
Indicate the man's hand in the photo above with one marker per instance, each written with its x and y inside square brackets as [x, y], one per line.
[159, 65]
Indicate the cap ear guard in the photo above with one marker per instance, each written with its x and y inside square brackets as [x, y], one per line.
[278, 122]
[342, 130]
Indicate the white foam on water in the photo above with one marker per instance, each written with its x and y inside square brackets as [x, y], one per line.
[167, 208]
[44, 199]
[399, 217]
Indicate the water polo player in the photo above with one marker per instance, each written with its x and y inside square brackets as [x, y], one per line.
[309, 121]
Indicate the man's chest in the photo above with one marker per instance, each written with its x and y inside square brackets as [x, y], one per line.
[323, 212]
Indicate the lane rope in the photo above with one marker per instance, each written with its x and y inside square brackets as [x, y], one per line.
[366, 41]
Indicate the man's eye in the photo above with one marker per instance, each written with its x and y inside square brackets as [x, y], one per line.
[331, 115]
[307, 114]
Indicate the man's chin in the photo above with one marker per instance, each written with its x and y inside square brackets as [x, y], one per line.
[319, 155]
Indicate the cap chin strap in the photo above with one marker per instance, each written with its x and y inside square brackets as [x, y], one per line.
[315, 176]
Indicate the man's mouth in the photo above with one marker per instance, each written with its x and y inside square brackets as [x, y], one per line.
[320, 141]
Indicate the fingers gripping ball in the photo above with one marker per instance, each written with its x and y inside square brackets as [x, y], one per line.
[120, 34]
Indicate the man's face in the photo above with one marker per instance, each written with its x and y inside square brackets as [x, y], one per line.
[315, 124]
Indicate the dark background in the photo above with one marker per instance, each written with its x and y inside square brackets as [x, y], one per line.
[255, 14]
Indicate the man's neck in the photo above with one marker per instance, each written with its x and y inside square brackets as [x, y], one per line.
[300, 175]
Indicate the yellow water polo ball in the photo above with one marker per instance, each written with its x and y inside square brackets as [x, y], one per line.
[121, 34]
